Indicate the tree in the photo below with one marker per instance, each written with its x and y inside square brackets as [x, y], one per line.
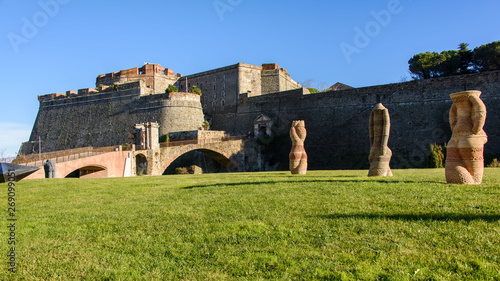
[2, 155]
[448, 63]
[171, 88]
[308, 83]
[487, 57]
[424, 65]
[465, 59]
[322, 86]
[313, 90]
[195, 90]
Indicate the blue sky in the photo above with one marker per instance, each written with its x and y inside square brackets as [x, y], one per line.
[52, 46]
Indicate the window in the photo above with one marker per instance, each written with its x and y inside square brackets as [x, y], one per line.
[223, 94]
[215, 79]
[222, 103]
[224, 86]
[215, 96]
[224, 77]
[215, 88]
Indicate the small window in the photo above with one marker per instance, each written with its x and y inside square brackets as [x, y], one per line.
[223, 94]
[215, 88]
[223, 86]
[223, 103]
[215, 96]
[215, 79]
[224, 77]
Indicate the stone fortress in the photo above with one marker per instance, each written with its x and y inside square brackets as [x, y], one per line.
[262, 101]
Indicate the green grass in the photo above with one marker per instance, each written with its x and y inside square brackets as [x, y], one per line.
[327, 225]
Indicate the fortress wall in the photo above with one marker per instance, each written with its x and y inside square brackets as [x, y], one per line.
[337, 121]
[106, 119]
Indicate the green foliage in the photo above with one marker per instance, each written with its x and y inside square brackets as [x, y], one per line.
[424, 65]
[164, 138]
[126, 146]
[487, 57]
[171, 88]
[181, 171]
[195, 90]
[462, 61]
[494, 163]
[205, 125]
[99, 88]
[313, 90]
[436, 157]
[326, 225]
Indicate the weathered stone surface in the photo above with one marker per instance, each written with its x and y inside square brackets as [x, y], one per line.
[337, 120]
[298, 156]
[464, 155]
[380, 154]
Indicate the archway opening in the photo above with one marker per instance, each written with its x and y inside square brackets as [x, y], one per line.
[89, 172]
[200, 161]
[141, 164]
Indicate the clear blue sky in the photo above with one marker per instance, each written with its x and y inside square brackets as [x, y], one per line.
[47, 48]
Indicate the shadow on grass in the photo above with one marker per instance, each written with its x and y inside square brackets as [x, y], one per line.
[418, 217]
[305, 181]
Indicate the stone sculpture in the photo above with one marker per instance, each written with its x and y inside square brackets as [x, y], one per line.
[12, 172]
[49, 169]
[380, 154]
[464, 154]
[298, 156]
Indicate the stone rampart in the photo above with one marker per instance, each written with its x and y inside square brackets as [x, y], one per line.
[337, 121]
[107, 118]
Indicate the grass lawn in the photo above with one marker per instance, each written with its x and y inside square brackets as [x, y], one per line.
[327, 225]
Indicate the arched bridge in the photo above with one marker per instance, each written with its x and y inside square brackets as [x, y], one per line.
[115, 162]
[229, 152]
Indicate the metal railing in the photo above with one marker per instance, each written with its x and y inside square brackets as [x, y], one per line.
[201, 141]
[77, 153]
[61, 155]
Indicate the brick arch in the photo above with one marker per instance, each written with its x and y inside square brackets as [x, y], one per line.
[219, 156]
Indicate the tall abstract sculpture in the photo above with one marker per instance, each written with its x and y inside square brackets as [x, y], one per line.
[298, 156]
[13, 172]
[464, 154]
[380, 154]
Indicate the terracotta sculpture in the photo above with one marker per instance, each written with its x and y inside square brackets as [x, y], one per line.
[380, 154]
[464, 154]
[298, 156]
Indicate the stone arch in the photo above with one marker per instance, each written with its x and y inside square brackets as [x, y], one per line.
[141, 164]
[218, 156]
[89, 171]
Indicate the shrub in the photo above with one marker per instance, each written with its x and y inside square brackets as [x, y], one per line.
[181, 171]
[313, 90]
[171, 88]
[196, 90]
[164, 138]
[494, 163]
[436, 158]
[205, 125]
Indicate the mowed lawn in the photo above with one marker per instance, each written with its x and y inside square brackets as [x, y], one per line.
[327, 225]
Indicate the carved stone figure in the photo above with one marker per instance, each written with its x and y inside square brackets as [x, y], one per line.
[464, 154]
[298, 156]
[49, 169]
[380, 154]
